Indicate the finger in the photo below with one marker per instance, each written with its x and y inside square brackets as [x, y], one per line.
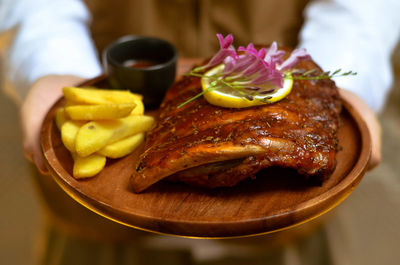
[372, 123]
[39, 160]
[376, 131]
[31, 146]
[28, 153]
[41, 165]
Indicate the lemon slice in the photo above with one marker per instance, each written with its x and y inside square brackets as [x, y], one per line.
[229, 98]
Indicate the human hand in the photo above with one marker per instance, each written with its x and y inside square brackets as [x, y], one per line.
[372, 123]
[42, 95]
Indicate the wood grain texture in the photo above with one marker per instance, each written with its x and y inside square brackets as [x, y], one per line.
[276, 200]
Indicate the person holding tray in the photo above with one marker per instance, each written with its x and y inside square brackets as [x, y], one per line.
[52, 47]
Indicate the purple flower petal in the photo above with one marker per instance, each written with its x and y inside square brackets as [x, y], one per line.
[274, 56]
[249, 49]
[256, 67]
[242, 63]
[226, 50]
[226, 42]
[230, 64]
[261, 79]
[261, 53]
[273, 76]
[220, 56]
[294, 58]
[276, 78]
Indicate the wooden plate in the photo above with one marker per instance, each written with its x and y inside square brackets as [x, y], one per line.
[276, 200]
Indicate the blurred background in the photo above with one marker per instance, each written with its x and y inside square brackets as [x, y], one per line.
[378, 194]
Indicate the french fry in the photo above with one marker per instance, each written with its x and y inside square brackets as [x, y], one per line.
[139, 109]
[99, 112]
[61, 117]
[70, 103]
[122, 147]
[108, 122]
[86, 167]
[69, 131]
[95, 135]
[99, 96]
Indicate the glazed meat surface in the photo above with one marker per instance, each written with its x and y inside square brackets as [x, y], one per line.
[211, 146]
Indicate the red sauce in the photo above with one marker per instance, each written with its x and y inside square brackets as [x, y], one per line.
[139, 63]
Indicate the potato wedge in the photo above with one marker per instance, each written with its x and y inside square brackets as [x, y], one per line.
[71, 103]
[69, 131]
[99, 96]
[86, 167]
[99, 112]
[122, 147]
[95, 135]
[139, 109]
[61, 117]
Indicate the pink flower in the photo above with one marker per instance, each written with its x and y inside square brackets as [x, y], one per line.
[268, 76]
[249, 49]
[253, 67]
[295, 57]
[240, 64]
[274, 56]
[226, 50]
[229, 63]
[226, 42]
[250, 62]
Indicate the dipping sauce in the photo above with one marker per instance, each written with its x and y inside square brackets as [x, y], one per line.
[139, 63]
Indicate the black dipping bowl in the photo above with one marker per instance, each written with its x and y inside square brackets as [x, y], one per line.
[143, 65]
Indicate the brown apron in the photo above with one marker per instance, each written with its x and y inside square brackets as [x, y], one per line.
[192, 24]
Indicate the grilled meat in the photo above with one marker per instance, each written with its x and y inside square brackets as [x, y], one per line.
[210, 146]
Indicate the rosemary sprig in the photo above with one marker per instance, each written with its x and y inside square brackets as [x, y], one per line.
[197, 96]
[325, 75]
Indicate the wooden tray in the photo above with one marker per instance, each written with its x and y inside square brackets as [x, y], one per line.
[276, 200]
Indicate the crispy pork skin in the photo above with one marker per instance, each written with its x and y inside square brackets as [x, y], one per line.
[211, 146]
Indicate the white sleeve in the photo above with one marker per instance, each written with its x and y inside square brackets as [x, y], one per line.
[355, 35]
[51, 37]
